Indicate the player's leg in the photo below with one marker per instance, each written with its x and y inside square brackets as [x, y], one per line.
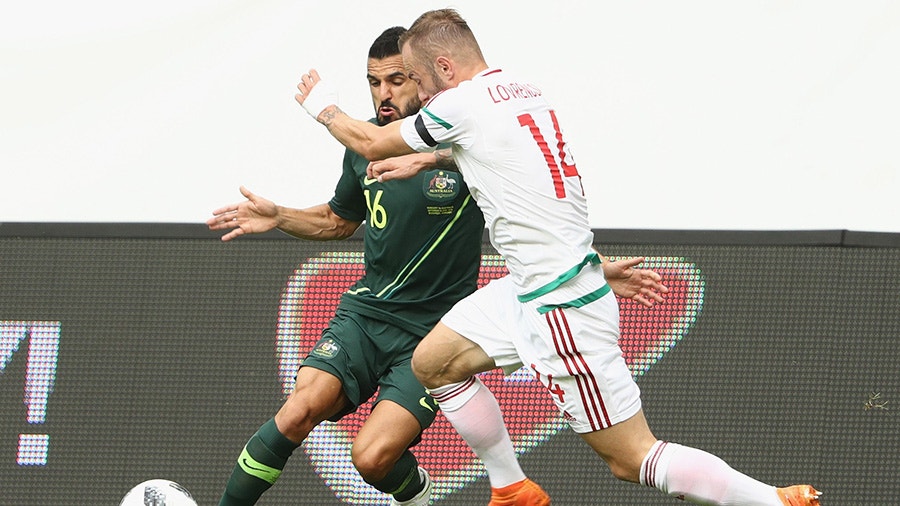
[466, 403]
[475, 414]
[446, 363]
[603, 405]
[317, 396]
[634, 454]
[401, 412]
[381, 453]
[327, 387]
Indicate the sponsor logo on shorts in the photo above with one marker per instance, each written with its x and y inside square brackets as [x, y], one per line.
[326, 348]
[425, 404]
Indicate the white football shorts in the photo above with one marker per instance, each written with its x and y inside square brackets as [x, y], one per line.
[573, 351]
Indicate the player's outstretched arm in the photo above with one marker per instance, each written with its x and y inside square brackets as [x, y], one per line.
[257, 214]
[627, 281]
[370, 141]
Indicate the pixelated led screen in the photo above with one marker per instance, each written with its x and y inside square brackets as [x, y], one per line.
[42, 340]
[123, 360]
[312, 295]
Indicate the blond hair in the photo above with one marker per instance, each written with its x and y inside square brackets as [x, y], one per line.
[442, 32]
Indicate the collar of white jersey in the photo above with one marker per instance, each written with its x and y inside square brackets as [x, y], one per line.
[485, 72]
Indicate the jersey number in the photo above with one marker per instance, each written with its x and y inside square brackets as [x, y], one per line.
[527, 120]
[377, 214]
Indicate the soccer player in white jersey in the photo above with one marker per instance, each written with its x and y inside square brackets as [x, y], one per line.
[554, 312]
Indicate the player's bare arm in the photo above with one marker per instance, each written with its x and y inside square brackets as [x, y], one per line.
[406, 166]
[640, 285]
[317, 223]
[444, 159]
[371, 141]
[257, 215]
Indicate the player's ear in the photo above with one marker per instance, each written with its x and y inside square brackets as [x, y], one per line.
[443, 65]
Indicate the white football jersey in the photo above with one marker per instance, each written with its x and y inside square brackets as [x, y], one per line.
[510, 149]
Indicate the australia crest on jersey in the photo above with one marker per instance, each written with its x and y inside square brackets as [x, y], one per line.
[326, 348]
[441, 185]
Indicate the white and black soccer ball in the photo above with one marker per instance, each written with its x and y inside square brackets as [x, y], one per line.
[158, 493]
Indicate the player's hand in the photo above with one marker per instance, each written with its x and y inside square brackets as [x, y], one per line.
[640, 285]
[314, 94]
[400, 167]
[252, 216]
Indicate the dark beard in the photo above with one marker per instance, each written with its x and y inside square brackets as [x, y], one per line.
[411, 109]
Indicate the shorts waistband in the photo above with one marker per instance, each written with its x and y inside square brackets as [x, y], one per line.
[579, 302]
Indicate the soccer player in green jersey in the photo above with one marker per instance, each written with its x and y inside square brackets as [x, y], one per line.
[555, 312]
[422, 254]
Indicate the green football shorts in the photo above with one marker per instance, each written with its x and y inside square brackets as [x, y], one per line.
[370, 355]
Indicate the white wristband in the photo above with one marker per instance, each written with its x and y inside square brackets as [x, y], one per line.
[321, 96]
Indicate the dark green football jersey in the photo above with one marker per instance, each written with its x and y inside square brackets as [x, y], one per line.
[422, 243]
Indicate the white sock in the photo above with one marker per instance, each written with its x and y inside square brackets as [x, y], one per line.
[473, 411]
[700, 477]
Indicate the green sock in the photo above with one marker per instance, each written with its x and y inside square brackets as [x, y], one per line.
[403, 480]
[258, 466]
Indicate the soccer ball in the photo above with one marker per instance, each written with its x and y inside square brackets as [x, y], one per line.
[158, 493]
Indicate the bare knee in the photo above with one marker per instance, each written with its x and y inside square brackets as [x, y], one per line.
[445, 357]
[373, 464]
[429, 368]
[296, 421]
[308, 406]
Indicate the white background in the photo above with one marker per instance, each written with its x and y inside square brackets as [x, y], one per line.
[751, 115]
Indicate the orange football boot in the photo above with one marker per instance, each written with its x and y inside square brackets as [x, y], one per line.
[523, 493]
[799, 495]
